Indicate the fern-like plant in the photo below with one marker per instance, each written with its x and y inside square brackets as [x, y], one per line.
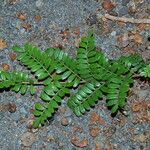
[90, 73]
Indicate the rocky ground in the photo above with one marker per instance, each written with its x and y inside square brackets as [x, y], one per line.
[55, 23]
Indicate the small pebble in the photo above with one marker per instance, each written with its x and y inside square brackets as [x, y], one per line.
[22, 31]
[126, 113]
[23, 110]
[113, 33]
[64, 121]
[123, 11]
[125, 2]
[15, 116]
[94, 132]
[12, 107]
[39, 3]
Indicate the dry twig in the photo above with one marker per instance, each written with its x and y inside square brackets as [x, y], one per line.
[124, 19]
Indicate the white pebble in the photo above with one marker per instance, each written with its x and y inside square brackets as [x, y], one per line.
[113, 33]
[39, 3]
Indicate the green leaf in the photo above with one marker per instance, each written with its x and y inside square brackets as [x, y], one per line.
[16, 88]
[114, 109]
[113, 86]
[35, 67]
[5, 75]
[66, 75]
[111, 102]
[86, 105]
[50, 51]
[66, 90]
[82, 109]
[47, 81]
[45, 97]
[60, 69]
[23, 89]
[76, 82]
[112, 96]
[87, 90]
[37, 113]
[41, 74]
[39, 107]
[115, 80]
[49, 90]
[82, 93]
[79, 97]
[62, 74]
[71, 78]
[36, 123]
[77, 111]
[17, 48]
[57, 98]
[121, 103]
[54, 104]
[91, 53]
[32, 89]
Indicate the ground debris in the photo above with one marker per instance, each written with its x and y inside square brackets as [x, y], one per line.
[3, 44]
[79, 143]
[124, 19]
[27, 139]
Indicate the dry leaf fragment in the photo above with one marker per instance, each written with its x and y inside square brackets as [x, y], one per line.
[108, 5]
[136, 107]
[122, 40]
[83, 143]
[76, 31]
[137, 38]
[21, 16]
[12, 56]
[95, 118]
[148, 7]
[3, 44]
[12, 2]
[94, 132]
[37, 18]
[27, 139]
[5, 67]
[26, 26]
[97, 146]
[12, 107]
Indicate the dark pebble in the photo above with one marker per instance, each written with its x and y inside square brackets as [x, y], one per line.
[64, 121]
[12, 107]
[125, 2]
[123, 11]
[92, 19]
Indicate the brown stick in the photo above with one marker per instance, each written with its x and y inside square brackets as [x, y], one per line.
[124, 19]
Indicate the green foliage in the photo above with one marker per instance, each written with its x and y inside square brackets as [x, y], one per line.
[16, 81]
[145, 72]
[133, 62]
[85, 98]
[59, 74]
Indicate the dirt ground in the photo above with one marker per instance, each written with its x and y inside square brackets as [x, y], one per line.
[61, 23]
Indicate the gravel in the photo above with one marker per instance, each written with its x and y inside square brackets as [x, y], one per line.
[62, 23]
